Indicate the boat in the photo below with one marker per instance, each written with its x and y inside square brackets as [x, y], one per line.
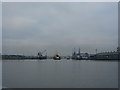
[68, 57]
[76, 56]
[41, 56]
[56, 57]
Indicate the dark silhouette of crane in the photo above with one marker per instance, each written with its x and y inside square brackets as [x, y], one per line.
[40, 55]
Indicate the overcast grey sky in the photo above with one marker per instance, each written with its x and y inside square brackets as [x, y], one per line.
[1, 27]
[29, 27]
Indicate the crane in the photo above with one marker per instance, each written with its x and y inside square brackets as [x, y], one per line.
[40, 53]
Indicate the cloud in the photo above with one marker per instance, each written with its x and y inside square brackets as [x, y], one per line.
[60, 26]
[0, 28]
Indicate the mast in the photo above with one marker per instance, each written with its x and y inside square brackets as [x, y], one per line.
[79, 51]
[96, 51]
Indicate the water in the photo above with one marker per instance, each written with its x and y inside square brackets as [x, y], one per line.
[60, 74]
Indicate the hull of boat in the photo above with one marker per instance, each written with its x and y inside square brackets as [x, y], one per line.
[57, 58]
[43, 57]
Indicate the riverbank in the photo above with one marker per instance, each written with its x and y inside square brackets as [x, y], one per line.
[51, 58]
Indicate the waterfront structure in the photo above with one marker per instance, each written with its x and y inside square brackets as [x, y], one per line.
[0, 56]
[115, 55]
[13, 57]
[76, 56]
[118, 50]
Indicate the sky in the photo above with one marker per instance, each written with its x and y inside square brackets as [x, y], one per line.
[31, 27]
[0, 28]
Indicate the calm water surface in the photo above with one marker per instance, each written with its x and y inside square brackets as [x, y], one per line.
[59, 74]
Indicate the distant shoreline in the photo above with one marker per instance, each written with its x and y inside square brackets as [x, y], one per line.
[49, 58]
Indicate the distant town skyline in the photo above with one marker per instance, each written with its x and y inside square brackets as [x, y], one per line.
[32, 27]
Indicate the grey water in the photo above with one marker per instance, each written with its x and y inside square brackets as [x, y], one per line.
[59, 74]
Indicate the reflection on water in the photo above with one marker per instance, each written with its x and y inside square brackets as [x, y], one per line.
[60, 74]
